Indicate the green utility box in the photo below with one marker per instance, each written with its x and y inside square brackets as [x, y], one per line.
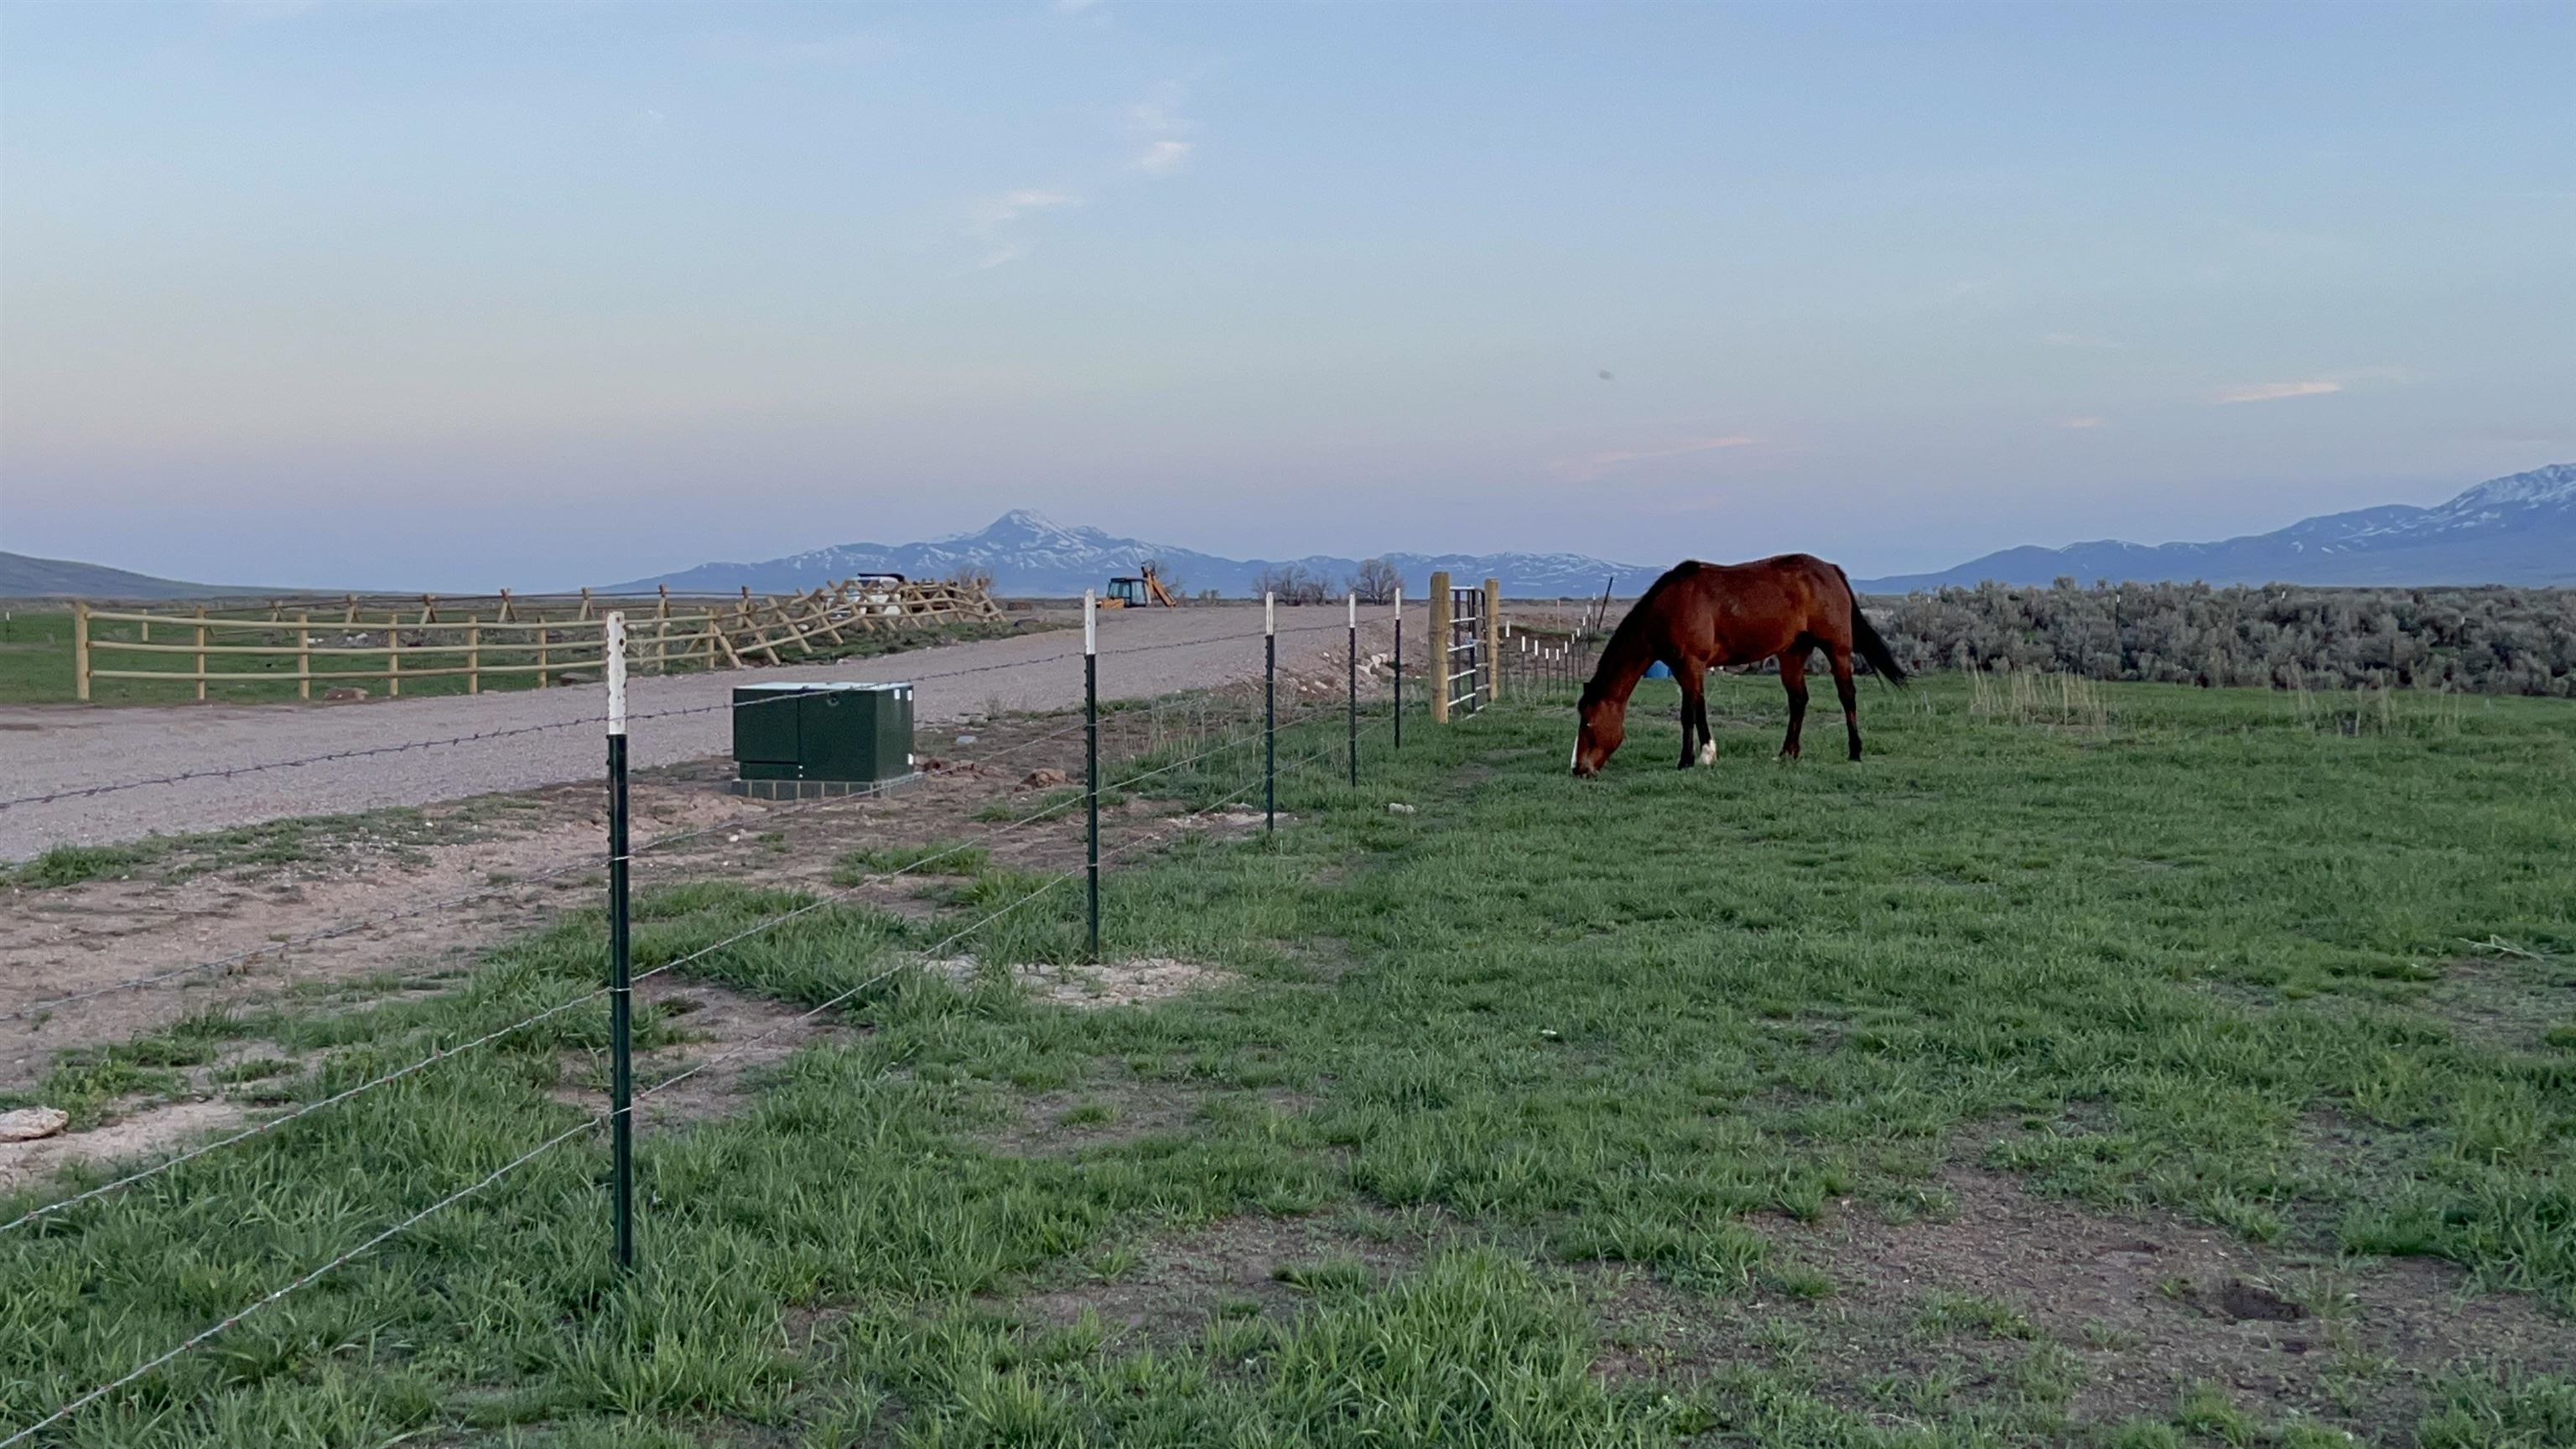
[792, 741]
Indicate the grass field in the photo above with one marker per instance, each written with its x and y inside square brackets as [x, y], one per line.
[1552, 1113]
[36, 662]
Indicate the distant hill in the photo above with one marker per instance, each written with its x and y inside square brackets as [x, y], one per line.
[23, 577]
[2519, 529]
[1027, 554]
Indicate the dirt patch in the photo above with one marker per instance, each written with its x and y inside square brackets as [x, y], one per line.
[2139, 1308]
[1162, 1291]
[389, 910]
[143, 1133]
[350, 906]
[2511, 1002]
[1091, 988]
[1120, 983]
[1118, 1109]
[728, 1039]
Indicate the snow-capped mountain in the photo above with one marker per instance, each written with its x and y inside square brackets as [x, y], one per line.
[1028, 554]
[2514, 530]
[2519, 529]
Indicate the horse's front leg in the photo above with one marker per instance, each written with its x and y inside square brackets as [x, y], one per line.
[1699, 745]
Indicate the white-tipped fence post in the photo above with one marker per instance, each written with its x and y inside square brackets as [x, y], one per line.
[621, 985]
[1399, 666]
[1354, 602]
[1091, 752]
[1269, 711]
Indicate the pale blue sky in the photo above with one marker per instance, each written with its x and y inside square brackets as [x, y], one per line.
[478, 294]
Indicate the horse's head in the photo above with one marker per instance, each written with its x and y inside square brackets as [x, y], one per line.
[1604, 725]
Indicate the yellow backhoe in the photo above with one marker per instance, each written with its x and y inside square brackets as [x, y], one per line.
[1135, 591]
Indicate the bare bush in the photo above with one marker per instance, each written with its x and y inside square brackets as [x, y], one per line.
[1376, 581]
[1291, 584]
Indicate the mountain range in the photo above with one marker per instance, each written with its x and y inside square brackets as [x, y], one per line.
[2518, 529]
[1031, 555]
[24, 576]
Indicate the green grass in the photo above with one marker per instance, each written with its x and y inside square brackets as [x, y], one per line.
[400, 832]
[938, 857]
[2206, 959]
[66, 865]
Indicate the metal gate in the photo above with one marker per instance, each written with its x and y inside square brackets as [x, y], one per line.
[1468, 684]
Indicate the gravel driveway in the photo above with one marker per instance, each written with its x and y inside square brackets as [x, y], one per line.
[63, 747]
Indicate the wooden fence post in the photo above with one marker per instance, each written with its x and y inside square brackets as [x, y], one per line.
[1490, 648]
[1443, 624]
[540, 632]
[201, 653]
[393, 655]
[304, 656]
[474, 654]
[80, 649]
[662, 629]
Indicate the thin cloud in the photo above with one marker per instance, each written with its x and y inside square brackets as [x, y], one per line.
[2316, 386]
[1162, 158]
[1158, 122]
[2078, 339]
[997, 230]
[1073, 7]
[2275, 391]
[2082, 423]
[1594, 466]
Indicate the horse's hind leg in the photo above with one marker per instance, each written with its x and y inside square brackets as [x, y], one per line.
[1697, 746]
[1793, 678]
[1850, 698]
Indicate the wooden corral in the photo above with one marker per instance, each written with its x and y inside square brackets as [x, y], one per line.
[427, 636]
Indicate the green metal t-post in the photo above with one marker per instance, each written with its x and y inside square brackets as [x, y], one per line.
[621, 985]
[1355, 691]
[1269, 713]
[1091, 751]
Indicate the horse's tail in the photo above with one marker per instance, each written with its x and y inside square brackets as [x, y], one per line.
[1865, 638]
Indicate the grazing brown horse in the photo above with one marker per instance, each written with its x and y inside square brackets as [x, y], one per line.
[1699, 616]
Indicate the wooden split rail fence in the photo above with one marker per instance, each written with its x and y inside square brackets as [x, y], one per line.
[503, 637]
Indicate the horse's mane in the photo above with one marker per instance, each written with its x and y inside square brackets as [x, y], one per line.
[1630, 636]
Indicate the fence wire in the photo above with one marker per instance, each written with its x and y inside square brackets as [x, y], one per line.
[478, 736]
[1153, 835]
[443, 1054]
[479, 893]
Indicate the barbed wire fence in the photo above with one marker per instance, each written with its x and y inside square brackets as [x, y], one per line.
[1184, 766]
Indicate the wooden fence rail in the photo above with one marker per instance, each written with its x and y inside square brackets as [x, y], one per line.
[499, 635]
